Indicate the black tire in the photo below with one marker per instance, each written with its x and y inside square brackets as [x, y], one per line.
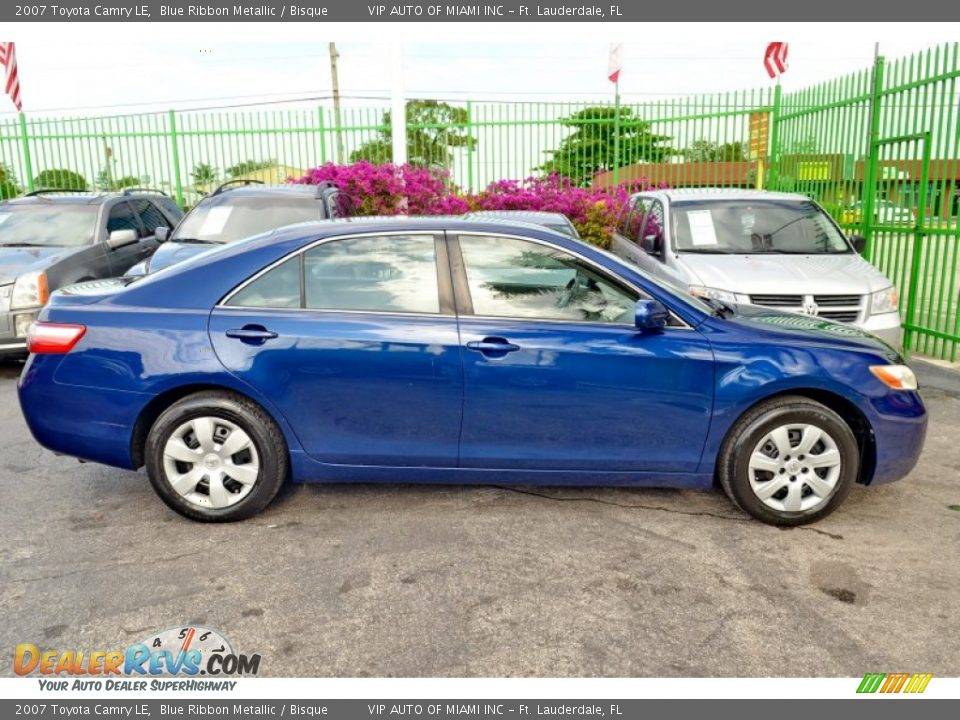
[749, 430]
[260, 427]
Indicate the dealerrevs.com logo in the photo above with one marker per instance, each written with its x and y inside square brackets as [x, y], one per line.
[187, 651]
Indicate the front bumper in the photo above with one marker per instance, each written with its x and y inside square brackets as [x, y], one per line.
[13, 331]
[887, 327]
[899, 422]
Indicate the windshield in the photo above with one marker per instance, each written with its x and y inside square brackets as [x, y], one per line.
[225, 219]
[47, 225]
[756, 226]
[673, 290]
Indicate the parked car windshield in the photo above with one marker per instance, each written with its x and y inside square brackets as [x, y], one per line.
[757, 226]
[225, 219]
[47, 225]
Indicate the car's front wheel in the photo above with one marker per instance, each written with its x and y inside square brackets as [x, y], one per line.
[789, 461]
[216, 457]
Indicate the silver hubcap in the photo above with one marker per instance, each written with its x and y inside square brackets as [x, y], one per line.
[211, 462]
[795, 468]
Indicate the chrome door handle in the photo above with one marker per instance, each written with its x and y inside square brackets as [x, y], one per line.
[251, 334]
[493, 345]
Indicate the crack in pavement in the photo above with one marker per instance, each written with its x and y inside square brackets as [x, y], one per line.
[641, 506]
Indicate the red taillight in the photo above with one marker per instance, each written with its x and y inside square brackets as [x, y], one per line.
[46, 337]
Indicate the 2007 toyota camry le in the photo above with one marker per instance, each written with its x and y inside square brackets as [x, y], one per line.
[451, 351]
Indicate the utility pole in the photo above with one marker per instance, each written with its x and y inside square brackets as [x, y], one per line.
[336, 101]
[107, 164]
[398, 109]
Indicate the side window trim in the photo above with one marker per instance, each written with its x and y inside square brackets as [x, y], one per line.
[465, 300]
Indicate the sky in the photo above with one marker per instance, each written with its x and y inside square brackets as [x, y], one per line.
[84, 78]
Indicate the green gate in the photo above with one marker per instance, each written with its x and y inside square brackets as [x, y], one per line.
[880, 150]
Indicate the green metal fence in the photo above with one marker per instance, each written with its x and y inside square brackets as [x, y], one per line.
[878, 149]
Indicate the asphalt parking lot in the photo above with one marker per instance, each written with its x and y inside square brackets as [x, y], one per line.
[452, 581]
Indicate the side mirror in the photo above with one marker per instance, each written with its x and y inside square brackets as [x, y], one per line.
[122, 238]
[651, 315]
[651, 244]
[162, 233]
[859, 243]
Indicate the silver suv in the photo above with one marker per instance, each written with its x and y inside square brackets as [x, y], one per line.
[773, 249]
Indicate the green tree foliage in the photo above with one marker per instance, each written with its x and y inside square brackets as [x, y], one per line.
[433, 129]
[9, 187]
[60, 179]
[249, 166]
[104, 182]
[203, 174]
[806, 145]
[709, 151]
[589, 149]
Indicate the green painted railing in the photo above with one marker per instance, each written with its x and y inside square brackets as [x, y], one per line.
[879, 149]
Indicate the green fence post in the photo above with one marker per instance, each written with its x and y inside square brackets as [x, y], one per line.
[175, 144]
[919, 232]
[469, 146]
[616, 136]
[869, 189]
[27, 162]
[773, 167]
[323, 136]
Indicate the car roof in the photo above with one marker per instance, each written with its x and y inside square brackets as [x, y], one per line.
[393, 223]
[693, 194]
[76, 197]
[534, 216]
[413, 223]
[256, 190]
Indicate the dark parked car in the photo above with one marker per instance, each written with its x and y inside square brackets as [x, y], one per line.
[437, 350]
[49, 239]
[555, 221]
[239, 209]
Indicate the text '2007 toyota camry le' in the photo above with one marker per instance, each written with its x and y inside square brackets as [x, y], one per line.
[450, 351]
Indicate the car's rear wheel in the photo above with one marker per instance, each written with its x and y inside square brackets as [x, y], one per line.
[789, 461]
[216, 457]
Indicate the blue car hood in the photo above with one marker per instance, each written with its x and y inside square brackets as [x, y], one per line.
[15, 261]
[806, 327]
[172, 252]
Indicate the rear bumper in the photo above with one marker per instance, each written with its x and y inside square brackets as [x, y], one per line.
[85, 422]
[899, 421]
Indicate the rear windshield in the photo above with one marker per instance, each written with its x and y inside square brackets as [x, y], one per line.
[47, 225]
[225, 219]
[563, 229]
[757, 226]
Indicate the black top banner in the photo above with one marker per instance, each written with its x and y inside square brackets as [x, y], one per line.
[731, 11]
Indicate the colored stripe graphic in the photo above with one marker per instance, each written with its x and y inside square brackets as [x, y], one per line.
[894, 682]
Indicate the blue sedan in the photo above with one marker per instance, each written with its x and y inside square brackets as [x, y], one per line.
[452, 351]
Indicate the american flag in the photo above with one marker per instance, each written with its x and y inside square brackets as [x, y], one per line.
[8, 58]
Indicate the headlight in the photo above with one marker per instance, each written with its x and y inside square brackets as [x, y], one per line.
[895, 377]
[29, 291]
[712, 294]
[884, 301]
